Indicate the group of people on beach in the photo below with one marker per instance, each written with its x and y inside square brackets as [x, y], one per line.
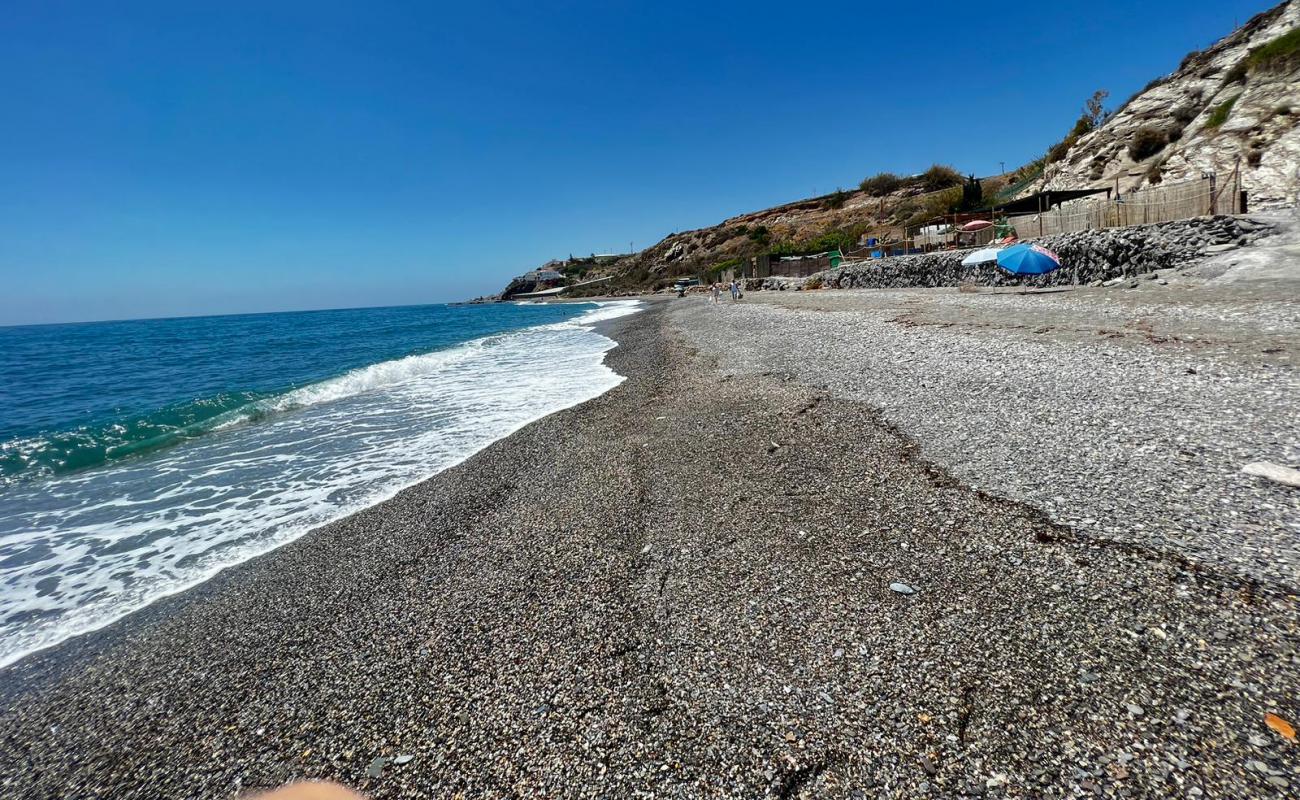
[716, 291]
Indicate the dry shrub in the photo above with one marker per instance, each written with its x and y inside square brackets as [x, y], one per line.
[1147, 141]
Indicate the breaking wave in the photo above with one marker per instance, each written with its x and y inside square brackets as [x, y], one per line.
[82, 547]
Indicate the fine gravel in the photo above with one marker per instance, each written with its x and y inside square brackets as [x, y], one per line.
[699, 584]
[1127, 415]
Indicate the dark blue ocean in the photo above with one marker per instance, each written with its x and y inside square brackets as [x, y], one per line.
[138, 458]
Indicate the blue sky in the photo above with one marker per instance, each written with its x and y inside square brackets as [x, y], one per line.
[165, 158]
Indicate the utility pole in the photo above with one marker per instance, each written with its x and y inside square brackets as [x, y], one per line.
[1002, 168]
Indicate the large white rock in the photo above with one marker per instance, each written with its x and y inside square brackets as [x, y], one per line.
[1274, 472]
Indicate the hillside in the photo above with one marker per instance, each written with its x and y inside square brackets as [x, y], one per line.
[1234, 105]
[881, 207]
[1237, 102]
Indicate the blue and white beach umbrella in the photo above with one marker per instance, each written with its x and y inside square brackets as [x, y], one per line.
[981, 256]
[1028, 259]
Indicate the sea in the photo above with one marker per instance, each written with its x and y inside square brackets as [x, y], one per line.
[140, 458]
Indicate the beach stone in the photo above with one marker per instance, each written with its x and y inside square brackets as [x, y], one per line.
[1274, 472]
[524, 593]
[902, 588]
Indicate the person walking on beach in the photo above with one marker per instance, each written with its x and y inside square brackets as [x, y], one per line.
[716, 292]
[735, 290]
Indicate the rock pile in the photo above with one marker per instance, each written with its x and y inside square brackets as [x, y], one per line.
[775, 283]
[1087, 257]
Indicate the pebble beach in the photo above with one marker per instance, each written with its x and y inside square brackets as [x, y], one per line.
[798, 552]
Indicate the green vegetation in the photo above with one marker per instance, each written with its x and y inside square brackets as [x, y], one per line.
[1221, 113]
[836, 199]
[972, 194]
[714, 273]
[839, 238]
[935, 205]
[939, 177]
[788, 247]
[1146, 142]
[1280, 55]
[1029, 172]
[759, 234]
[575, 270]
[1094, 113]
[905, 210]
[1237, 74]
[881, 184]
[1020, 179]
[1058, 151]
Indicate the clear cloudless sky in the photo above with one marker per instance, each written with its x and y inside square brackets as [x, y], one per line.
[165, 158]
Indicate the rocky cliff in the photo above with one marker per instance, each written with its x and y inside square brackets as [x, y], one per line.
[1235, 104]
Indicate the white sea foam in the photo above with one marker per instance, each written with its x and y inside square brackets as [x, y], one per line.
[80, 551]
[375, 376]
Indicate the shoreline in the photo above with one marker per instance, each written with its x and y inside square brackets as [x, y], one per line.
[684, 585]
[42, 664]
[274, 534]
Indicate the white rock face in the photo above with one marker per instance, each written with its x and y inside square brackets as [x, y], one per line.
[1261, 135]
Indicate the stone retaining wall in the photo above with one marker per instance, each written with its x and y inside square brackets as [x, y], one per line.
[1087, 257]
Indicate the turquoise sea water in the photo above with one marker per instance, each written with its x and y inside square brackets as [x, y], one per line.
[138, 458]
